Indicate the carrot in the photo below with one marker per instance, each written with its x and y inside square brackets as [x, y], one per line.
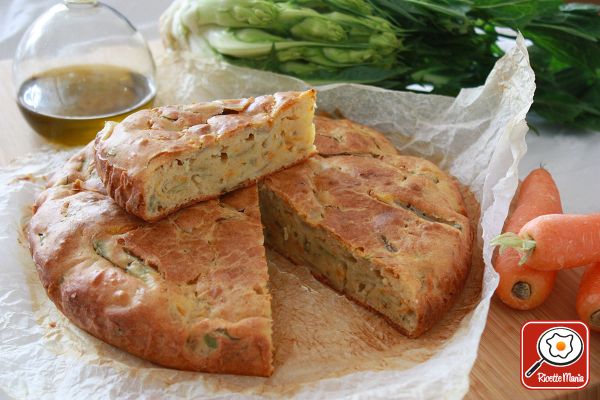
[524, 288]
[588, 297]
[556, 241]
[538, 195]
[520, 287]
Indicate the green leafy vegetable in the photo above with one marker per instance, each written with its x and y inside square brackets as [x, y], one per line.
[291, 37]
[211, 341]
[443, 45]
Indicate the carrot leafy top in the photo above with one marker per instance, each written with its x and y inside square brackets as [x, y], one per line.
[511, 240]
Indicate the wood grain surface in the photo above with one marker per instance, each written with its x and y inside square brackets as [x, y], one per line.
[496, 371]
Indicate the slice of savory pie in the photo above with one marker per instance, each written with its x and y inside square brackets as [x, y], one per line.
[157, 161]
[389, 231]
[188, 292]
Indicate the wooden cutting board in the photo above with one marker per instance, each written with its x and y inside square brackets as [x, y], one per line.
[496, 371]
[495, 374]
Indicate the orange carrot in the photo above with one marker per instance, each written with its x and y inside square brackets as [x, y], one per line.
[524, 288]
[556, 241]
[588, 297]
[538, 195]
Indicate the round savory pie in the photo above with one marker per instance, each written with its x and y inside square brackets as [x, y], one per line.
[190, 291]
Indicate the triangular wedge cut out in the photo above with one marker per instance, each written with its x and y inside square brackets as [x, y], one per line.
[160, 160]
[187, 292]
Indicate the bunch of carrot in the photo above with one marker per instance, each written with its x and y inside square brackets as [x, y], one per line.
[539, 240]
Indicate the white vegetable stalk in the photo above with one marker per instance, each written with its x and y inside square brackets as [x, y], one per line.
[289, 36]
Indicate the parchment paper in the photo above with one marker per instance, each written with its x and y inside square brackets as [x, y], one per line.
[326, 346]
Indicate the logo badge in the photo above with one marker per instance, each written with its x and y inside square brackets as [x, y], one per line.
[555, 355]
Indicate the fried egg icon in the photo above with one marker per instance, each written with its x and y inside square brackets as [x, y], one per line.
[560, 346]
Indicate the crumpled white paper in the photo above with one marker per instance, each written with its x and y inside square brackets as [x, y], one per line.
[479, 137]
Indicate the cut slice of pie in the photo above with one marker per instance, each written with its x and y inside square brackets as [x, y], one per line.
[188, 292]
[389, 231]
[160, 160]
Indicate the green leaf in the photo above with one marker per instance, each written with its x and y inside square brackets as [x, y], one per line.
[457, 9]
[569, 96]
[577, 21]
[210, 341]
[318, 29]
[358, 7]
[566, 49]
[513, 13]
[511, 240]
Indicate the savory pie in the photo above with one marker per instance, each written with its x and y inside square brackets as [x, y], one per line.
[389, 231]
[160, 160]
[190, 290]
[187, 292]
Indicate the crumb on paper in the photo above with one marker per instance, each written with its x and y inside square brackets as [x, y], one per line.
[30, 178]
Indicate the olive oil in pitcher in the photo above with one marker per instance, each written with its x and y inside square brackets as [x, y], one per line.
[70, 104]
[78, 65]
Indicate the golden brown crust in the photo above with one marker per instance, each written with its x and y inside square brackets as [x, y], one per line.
[402, 214]
[126, 154]
[188, 292]
[341, 136]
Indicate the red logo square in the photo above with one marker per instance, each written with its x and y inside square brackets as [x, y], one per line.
[555, 355]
